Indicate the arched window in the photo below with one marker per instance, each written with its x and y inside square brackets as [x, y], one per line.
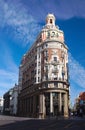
[51, 21]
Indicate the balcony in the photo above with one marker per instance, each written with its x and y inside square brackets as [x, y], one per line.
[55, 70]
[52, 79]
[45, 79]
[55, 62]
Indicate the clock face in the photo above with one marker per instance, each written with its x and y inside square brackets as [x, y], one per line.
[53, 34]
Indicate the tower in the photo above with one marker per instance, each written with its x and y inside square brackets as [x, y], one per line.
[45, 81]
[50, 19]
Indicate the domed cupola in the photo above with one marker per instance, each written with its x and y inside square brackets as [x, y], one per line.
[50, 19]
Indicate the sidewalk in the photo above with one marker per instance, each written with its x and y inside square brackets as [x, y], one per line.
[67, 118]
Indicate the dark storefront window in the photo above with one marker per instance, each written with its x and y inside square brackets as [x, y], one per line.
[47, 103]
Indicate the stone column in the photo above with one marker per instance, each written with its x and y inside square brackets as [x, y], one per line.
[65, 105]
[34, 105]
[60, 103]
[41, 106]
[51, 104]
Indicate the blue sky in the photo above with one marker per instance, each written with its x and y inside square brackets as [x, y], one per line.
[20, 23]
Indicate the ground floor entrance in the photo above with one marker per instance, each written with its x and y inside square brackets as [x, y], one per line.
[44, 105]
[54, 104]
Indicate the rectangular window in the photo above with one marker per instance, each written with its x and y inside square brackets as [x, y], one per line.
[46, 85]
[46, 53]
[55, 84]
[46, 59]
[46, 68]
[55, 58]
[38, 71]
[46, 77]
[46, 45]
[35, 79]
[38, 79]
[39, 63]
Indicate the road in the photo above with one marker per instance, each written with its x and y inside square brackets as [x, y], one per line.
[18, 123]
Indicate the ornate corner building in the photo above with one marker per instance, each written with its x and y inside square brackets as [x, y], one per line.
[43, 75]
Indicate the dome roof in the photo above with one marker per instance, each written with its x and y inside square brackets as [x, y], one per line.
[50, 15]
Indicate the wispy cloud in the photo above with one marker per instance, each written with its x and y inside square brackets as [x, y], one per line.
[7, 58]
[63, 9]
[14, 15]
[77, 78]
[7, 80]
[21, 17]
[8, 75]
[77, 72]
[8, 70]
[68, 9]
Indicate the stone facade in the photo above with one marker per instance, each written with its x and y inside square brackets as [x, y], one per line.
[7, 98]
[80, 103]
[14, 100]
[1, 105]
[11, 101]
[43, 75]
